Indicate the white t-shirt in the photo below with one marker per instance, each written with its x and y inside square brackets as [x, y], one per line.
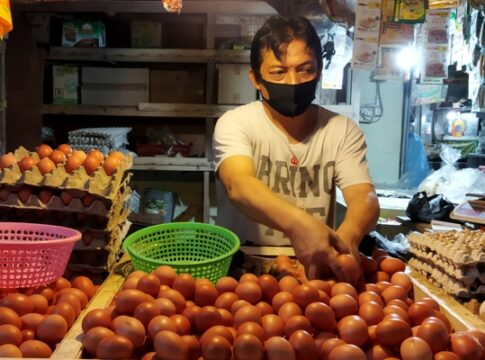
[332, 154]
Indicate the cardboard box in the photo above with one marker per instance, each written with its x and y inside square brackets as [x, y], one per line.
[89, 34]
[146, 34]
[234, 84]
[173, 86]
[114, 86]
[65, 84]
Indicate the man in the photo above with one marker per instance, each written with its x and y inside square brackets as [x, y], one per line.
[278, 160]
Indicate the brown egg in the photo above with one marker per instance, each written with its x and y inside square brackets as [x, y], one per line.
[264, 308]
[368, 264]
[31, 321]
[396, 310]
[288, 310]
[9, 316]
[366, 296]
[446, 355]
[52, 329]
[160, 323]
[114, 344]
[165, 274]
[182, 324]
[248, 277]
[226, 284]
[247, 346]
[298, 322]
[346, 352]
[281, 298]
[351, 267]
[269, 286]
[247, 313]
[391, 265]
[343, 305]
[218, 330]
[10, 334]
[166, 306]
[147, 310]
[434, 304]
[394, 292]
[393, 331]
[191, 313]
[327, 346]
[435, 334]
[169, 345]
[402, 304]
[466, 346]
[304, 345]
[249, 291]
[227, 318]
[209, 316]
[216, 348]
[7, 160]
[35, 349]
[127, 300]
[10, 351]
[176, 298]
[379, 352]
[278, 348]
[27, 334]
[402, 279]
[19, 303]
[371, 312]
[343, 288]
[149, 284]
[184, 284]
[321, 285]
[415, 348]
[321, 316]
[353, 330]
[205, 294]
[419, 311]
[193, 346]
[39, 302]
[93, 336]
[131, 328]
[305, 294]
[288, 283]
[273, 325]
[66, 311]
[236, 305]
[250, 327]
[83, 298]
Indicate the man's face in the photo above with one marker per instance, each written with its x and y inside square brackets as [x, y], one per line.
[297, 65]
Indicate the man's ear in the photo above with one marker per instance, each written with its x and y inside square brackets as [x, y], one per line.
[252, 77]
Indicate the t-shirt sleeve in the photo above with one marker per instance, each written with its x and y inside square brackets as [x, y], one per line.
[351, 164]
[230, 137]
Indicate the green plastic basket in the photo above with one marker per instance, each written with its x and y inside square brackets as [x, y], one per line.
[202, 250]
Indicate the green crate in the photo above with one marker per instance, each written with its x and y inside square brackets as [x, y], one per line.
[202, 250]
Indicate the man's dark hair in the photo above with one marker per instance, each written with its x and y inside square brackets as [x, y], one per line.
[277, 32]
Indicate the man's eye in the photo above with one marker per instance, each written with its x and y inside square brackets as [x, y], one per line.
[277, 72]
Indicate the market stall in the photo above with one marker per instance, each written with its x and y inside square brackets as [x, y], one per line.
[108, 151]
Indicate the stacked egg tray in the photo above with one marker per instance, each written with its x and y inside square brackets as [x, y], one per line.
[103, 222]
[103, 139]
[453, 260]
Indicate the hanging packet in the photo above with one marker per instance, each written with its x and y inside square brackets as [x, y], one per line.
[410, 11]
[6, 24]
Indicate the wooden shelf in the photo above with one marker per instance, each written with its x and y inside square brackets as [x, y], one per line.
[131, 6]
[112, 55]
[143, 109]
[163, 163]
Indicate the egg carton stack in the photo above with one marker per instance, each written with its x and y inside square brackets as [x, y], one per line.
[104, 139]
[96, 205]
[452, 260]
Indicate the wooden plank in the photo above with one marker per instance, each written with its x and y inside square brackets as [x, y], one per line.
[171, 163]
[130, 6]
[113, 55]
[461, 318]
[143, 110]
[268, 250]
[71, 346]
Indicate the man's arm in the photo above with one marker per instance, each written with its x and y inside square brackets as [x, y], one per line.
[316, 245]
[361, 215]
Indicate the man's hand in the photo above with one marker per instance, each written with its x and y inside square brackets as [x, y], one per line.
[317, 247]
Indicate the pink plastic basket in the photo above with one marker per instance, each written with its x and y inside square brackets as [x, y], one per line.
[33, 254]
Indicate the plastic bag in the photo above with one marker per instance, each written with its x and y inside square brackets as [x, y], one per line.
[398, 247]
[423, 208]
[454, 184]
[416, 167]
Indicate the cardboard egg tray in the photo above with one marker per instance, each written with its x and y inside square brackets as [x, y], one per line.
[99, 206]
[98, 183]
[452, 260]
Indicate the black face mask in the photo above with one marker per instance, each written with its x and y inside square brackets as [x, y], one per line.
[290, 100]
